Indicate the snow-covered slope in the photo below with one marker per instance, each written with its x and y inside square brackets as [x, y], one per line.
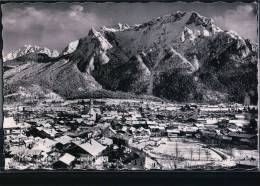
[28, 49]
[180, 56]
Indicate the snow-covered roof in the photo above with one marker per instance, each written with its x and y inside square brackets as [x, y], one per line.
[63, 139]
[52, 132]
[105, 141]
[44, 145]
[93, 147]
[67, 158]
[239, 122]
[173, 130]
[151, 122]
[9, 123]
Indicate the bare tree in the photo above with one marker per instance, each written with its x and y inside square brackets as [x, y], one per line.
[207, 153]
[191, 153]
[176, 151]
[199, 153]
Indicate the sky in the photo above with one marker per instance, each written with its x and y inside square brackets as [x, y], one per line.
[54, 25]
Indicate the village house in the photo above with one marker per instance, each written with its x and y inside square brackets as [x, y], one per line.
[157, 130]
[105, 141]
[64, 162]
[173, 133]
[11, 127]
[144, 163]
[13, 131]
[208, 136]
[242, 138]
[122, 139]
[109, 132]
[142, 132]
[89, 150]
[63, 142]
[45, 132]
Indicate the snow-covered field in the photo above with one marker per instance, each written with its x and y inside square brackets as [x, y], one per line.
[179, 152]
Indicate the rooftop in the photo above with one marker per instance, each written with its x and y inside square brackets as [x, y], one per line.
[93, 147]
[10, 123]
[67, 158]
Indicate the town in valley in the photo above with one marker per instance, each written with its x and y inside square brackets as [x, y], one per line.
[136, 134]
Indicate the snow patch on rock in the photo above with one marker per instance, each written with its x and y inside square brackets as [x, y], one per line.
[71, 47]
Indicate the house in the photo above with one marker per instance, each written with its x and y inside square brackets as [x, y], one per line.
[208, 136]
[240, 116]
[172, 133]
[242, 138]
[122, 139]
[132, 129]
[10, 126]
[200, 125]
[142, 132]
[63, 141]
[157, 130]
[89, 150]
[224, 139]
[144, 163]
[109, 132]
[211, 121]
[149, 122]
[64, 162]
[124, 129]
[239, 122]
[45, 132]
[105, 141]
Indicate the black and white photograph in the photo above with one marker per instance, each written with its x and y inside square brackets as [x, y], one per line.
[158, 86]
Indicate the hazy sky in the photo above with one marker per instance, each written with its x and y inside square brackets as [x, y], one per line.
[54, 25]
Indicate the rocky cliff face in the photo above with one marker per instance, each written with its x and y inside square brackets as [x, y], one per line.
[182, 56]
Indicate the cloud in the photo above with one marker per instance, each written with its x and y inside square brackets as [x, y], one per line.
[46, 27]
[242, 20]
[55, 25]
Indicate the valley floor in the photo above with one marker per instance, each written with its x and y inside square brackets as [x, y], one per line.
[114, 134]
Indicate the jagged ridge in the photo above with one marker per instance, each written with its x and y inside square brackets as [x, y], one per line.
[179, 54]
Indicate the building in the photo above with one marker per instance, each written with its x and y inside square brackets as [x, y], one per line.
[66, 161]
[89, 150]
[173, 133]
[109, 132]
[105, 141]
[63, 142]
[11, 127]
[144, 163]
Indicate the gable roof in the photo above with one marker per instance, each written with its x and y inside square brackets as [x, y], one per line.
[63, 139]
[92, 147]
[241, 135]
[67, 158]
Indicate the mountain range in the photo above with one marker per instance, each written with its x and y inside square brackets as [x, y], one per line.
[179, 57]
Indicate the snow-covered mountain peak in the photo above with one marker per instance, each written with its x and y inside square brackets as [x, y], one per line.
[71, 47]
[197, 19]
[102, 41]
[116, 28]
[122, 27]
[28, 49]
[180, 57]
[93, 32]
